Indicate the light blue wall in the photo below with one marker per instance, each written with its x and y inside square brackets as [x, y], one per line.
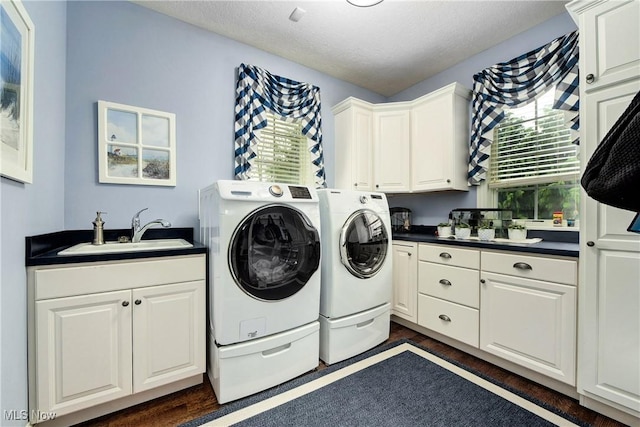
[121, 52]
[29, 209]
[430, 209]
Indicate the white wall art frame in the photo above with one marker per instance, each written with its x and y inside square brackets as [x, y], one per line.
[16, 92]
[136, 145]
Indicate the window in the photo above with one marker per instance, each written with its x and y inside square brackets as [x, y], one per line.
[282, 153]
[534, 165]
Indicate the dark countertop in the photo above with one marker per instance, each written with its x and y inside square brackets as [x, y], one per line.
[43, 249]
[566, 243]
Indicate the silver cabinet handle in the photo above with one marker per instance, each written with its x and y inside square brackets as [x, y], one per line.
[590, 78]
[445, 282]
[125, 303]
[522, 266]
[445, 318]
[445, 255]
[590, 244]
[137, 302]
[483, 281]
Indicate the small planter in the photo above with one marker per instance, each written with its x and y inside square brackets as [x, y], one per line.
[517, 234]
[463, 232]
[486, 233]
[444, 231]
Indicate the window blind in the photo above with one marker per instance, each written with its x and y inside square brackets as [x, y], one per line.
[533, 146]
[282, 153]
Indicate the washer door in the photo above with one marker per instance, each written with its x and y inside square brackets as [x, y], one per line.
[273, 252]
[363, 243]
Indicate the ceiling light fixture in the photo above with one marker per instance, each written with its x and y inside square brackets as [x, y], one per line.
[364, 3]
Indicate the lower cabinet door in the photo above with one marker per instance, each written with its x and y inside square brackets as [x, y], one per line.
[83, 351]
[531, 323]
[168, 333]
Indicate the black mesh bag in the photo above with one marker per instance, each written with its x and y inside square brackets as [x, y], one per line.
[612, 175]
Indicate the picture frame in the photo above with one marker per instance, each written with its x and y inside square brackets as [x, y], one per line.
[136, 145]
[16, 92]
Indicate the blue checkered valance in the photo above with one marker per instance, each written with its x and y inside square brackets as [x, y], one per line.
[257, 91]
[516, 83]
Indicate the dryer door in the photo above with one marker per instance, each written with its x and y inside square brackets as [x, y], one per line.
[273, 252]
[364, 243]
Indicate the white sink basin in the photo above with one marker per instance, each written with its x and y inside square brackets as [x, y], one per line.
[117, 247]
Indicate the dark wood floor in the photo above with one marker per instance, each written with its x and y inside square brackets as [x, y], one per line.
[196, 401]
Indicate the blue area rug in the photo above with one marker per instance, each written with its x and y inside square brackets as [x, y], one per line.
[404, 385]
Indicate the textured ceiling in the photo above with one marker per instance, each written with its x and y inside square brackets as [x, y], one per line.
[386, 48]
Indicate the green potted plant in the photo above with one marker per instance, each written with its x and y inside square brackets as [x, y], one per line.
[517, 232]
[486, 232]
[463, 231]
[444, 229]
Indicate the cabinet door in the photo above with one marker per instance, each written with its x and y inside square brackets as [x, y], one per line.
[405, 282]
[354, 148]
[612, 39]
[392, 151]
[609, 352]
[439, 142]
[168, 333]
[531, 323]
[83, 347]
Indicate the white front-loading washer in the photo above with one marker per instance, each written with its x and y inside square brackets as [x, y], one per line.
[264, 283]
[356, 292]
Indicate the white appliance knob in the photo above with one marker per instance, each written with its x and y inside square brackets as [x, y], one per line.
[276, 190]
[363, 199]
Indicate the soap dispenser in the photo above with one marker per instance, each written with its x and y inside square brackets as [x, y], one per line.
[98, 229]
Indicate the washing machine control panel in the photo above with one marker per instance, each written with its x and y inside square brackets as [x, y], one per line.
[299, 192]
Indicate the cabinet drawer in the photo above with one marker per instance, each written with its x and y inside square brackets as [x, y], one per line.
[455, 284]
[453, 320]
[449, 255]
[89, 278]
[531, 267]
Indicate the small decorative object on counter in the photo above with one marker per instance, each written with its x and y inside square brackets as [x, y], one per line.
[486, 232]
[557, 219]
[571, 222]
[98, 229]
[444, 229]
[463, 231]
[517, 232]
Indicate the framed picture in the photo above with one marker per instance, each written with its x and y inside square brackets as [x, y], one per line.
[16, 92]
[136, 145]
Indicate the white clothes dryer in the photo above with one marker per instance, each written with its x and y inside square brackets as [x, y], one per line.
[356, 292]
[264, 283]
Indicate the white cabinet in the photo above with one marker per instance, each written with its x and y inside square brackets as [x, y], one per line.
[402, 147]
[609, 41]
[448, 294]
[392, 149]
[95, 336]
[354, 144]
[609, 297]
[405, 265]
[440, 140]
[528, 312]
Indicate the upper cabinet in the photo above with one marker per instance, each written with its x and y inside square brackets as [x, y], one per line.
[440, 140]
[611, 38]
[354, 144]
[403, 147]
[391, 149]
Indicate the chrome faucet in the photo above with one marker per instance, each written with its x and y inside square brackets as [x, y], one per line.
[137, 231]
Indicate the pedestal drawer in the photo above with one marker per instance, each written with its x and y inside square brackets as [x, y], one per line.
[454, 284]
[453, 320]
